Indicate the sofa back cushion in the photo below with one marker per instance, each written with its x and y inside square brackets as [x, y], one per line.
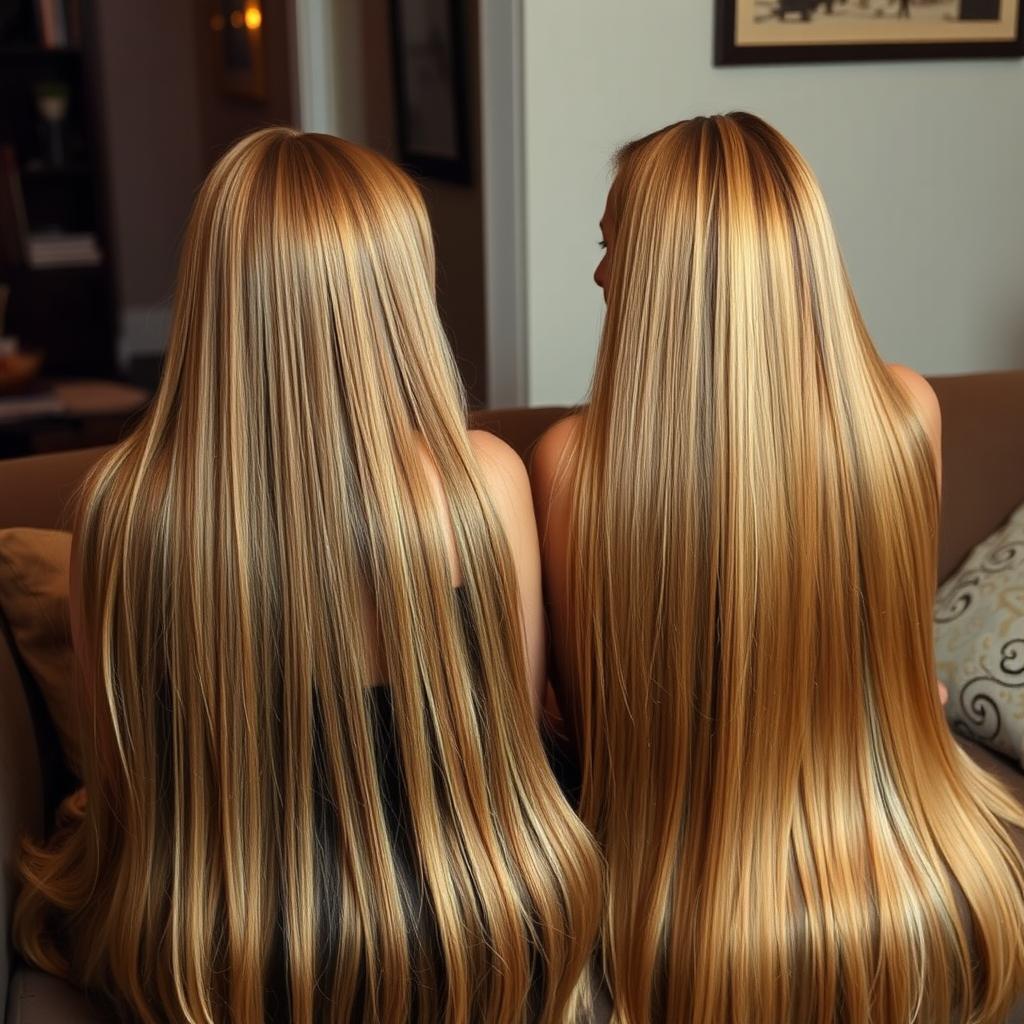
[21, 793]
[982, 458]
[39, 491]
[982, 451]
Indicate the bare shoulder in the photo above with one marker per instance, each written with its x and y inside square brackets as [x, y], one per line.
[549, 456]
[502, 468]
[436, 485]
[508, 487]
[920, 391]
[926, 404]
[924, 398]
[504, 477]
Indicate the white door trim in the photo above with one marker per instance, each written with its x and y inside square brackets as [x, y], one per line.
[314, 56]
[502, 159]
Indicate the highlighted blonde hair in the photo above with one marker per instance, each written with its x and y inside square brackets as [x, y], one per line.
[263, 548]
[791, 833]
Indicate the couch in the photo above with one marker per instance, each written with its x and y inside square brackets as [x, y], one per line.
[983, 454]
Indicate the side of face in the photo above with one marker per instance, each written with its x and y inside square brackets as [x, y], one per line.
[602, 272]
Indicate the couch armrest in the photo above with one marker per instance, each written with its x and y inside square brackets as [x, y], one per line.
[21, 792]
[38, 491]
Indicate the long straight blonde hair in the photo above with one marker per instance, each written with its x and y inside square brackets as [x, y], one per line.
[791, 834]
[251, 556]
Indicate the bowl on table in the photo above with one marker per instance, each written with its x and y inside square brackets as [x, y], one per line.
[18, 370]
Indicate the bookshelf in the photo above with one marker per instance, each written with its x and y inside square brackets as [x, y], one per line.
[55, 242]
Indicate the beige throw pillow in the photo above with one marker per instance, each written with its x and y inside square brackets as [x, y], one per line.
[34, 585]
[979, 641]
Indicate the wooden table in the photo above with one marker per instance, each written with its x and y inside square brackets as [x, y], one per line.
[68, 414]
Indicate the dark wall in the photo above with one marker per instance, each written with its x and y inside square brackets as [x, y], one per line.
[167, 119]
[149, 94]
[224, 118]
[456, 211]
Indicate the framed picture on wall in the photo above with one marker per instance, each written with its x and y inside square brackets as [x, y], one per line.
[237, 27]
[430, 87]
[773, 31]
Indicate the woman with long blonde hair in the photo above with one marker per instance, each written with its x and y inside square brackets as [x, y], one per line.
[739, 535]
[307, 607]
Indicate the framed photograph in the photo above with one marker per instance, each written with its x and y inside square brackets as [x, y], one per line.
[237, 27]
[430, 88]
[774, 31]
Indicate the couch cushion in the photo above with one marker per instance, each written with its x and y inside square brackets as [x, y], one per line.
[21, 792]
[518, 428]
[38, 998]
[38, 491]
[34, 581]
[979, 641]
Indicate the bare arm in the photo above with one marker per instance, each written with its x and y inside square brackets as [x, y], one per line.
[926, 404]
[552, 504]
[509, 489]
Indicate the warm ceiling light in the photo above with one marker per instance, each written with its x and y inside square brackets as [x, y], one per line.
[237, 19]
[253, 18]
[217, 23]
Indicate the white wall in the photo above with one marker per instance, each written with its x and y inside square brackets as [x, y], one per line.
[922, 164]
[315, 37]
[501, 161]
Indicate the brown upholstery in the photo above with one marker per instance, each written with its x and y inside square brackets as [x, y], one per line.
[518, 428]
[38, 491]
[982, 458]
[21, 795]
[38, 998]
[983, 452]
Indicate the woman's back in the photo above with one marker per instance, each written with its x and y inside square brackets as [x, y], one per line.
[302, 515]
[749, 507]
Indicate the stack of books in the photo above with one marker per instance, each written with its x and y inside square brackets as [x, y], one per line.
[38, 250]
[63, 249]
[13, 221]
[59, 23]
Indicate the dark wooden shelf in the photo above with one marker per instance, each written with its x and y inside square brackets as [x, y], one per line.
[47, 171]
[35, 50]
[69, 313]
[76, 268]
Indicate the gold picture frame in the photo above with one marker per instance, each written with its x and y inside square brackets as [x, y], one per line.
[775, 31]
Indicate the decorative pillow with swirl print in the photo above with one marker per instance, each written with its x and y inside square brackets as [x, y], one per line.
[979, 641]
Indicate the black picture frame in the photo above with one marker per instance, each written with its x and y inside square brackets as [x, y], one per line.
[728, 52]
[448, 159]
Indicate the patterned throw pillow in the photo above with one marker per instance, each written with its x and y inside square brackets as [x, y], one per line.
[979, 641]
